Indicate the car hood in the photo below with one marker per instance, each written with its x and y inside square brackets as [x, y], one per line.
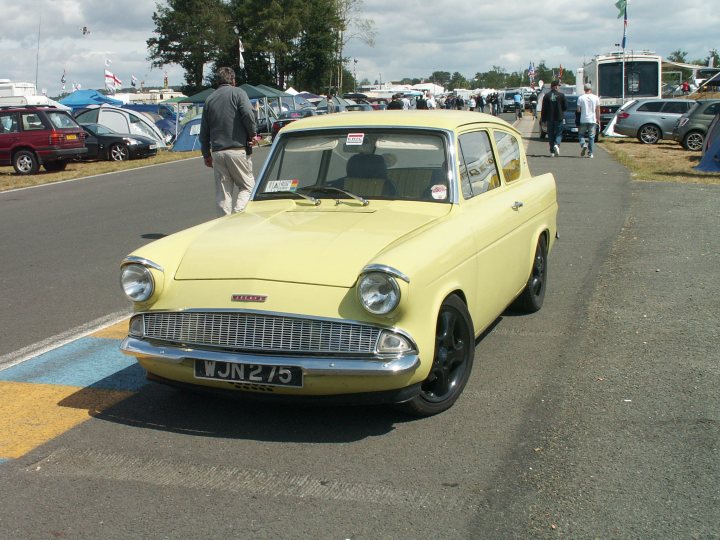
[324, 245]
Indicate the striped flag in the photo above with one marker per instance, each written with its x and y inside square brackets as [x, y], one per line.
[624, 39]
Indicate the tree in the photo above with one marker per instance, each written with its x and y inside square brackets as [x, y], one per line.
[189, 33]
[441, 78]
[351, 26]
[316, 50]
[457, 81]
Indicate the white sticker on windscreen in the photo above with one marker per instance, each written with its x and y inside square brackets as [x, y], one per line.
[439, 192]
[281, 185]
[355, 139]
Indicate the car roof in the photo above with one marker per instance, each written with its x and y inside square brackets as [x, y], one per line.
[439, 119]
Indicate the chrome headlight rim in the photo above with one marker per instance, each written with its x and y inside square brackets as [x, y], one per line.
[369, 285]
[140, 286]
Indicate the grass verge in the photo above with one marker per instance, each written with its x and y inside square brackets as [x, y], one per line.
[666, 161]
[80, 169]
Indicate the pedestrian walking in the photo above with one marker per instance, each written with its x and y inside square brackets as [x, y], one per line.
[588, 107]
[553, 114]
[227, 132]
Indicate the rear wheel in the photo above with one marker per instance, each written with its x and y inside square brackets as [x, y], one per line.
[118, 152]
[25, 162]
[649, 134]
[533, 295]
[693, 141]
[452, 363]
[53, 166]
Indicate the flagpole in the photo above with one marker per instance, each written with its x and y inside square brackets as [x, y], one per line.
[37, 56]
[624, 83]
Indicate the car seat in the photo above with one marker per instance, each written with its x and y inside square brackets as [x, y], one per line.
[367, 176]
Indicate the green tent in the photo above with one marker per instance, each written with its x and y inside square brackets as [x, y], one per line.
[199, 98]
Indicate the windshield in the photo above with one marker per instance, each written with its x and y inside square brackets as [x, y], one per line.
[372, 164]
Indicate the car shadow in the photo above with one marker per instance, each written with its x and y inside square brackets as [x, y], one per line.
[163, 408]
[153, 236]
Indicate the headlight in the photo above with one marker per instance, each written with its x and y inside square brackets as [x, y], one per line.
[378, 292]
[137, 282]
[131, 141]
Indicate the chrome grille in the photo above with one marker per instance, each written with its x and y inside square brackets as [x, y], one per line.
[260, 332]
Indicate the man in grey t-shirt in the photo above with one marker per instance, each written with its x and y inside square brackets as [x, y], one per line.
[227, 131]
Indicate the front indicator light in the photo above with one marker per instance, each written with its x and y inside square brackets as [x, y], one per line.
[137, 282]
[392, 343]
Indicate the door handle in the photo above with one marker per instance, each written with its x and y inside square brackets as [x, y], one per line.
[516, 205]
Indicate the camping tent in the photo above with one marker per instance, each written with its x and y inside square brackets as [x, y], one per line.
[710, 161]
[198, 98]
[188, 140]
[83, 98]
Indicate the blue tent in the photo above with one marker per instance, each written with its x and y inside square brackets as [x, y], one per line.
[710, 161]
[82, 98]
[189, 138]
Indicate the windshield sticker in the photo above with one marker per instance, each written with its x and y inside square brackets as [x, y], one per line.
[281, 185]
[439, 192]
[355, 139]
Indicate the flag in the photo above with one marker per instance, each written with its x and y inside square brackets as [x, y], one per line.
[165, 81]
[622, 8]
[624, 39]
[133, 80]
[62, 79]
[561, 70]
[107, 62]
[112, 83]
[241, 49]
[85, 30]
[531, 72]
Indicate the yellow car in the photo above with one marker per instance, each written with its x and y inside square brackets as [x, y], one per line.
[376, 247]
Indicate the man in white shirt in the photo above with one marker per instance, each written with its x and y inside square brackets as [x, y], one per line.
[588, 106]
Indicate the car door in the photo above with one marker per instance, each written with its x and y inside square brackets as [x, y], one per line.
[494, 223]
[671, 111]
[8, 135]
[92, 143]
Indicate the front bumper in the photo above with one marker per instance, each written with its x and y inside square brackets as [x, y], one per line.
[310, 365]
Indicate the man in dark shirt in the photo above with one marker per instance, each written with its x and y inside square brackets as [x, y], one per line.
[396, 102]
[227, 131]
[553, 114]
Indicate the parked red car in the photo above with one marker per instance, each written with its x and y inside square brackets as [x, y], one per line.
[31, 136]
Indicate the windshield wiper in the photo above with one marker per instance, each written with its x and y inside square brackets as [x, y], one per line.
[332, 189]
[297, 193]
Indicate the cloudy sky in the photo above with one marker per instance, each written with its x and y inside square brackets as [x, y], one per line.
[413, 37]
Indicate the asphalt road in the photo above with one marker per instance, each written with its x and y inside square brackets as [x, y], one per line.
[595, 418]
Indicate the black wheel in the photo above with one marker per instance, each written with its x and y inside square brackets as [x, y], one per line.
[53, 166]
[649, 134]
[25, 162]
[452, 363]
[118, 152]
[693, 141]
[531, 299]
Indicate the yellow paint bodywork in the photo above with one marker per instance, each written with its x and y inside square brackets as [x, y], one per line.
[306, 259]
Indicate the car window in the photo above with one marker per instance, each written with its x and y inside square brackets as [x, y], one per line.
[375, 163]
[139, 127]
[676, 107]
[712, 109]
[8, 123]
[61, 120]
[478, 171]
[650, 106]
[31, 121]
[509, 151]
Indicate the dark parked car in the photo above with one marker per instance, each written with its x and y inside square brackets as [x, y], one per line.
[285, 117]
[104, 143]
[31, 136]
[651, 119]
[692, 126]
[570, 128]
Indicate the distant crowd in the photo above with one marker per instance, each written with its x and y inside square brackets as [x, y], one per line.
[490, 102]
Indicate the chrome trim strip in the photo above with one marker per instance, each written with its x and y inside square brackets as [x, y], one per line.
[131, 259]
[386, 269]
[309, 365]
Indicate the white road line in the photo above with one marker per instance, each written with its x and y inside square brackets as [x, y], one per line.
[54, 342]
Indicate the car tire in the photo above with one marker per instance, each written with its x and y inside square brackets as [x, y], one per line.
[25, 162]
[693, 141]
[649, 134]
[452, 361]
[118, 152]
[532, 297]
[55, 166]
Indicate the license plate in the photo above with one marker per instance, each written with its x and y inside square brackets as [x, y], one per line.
[71, 137]
[153, 146]
[250, 373]
[574, 130]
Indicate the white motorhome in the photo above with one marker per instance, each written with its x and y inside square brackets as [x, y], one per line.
[620, 76]
[11, 89]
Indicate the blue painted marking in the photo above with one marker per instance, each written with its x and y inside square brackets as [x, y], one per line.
[87, 362]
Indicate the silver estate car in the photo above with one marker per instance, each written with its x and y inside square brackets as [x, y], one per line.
[651, 119]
